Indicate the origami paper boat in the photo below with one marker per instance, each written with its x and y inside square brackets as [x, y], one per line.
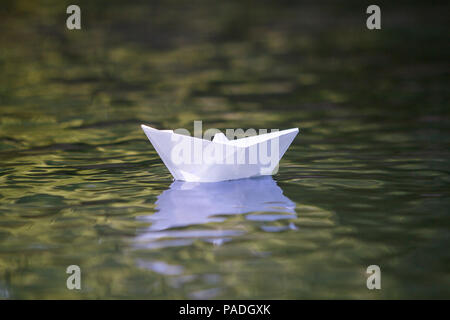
[200, 160]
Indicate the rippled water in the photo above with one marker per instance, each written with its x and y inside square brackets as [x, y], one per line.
[365, 182]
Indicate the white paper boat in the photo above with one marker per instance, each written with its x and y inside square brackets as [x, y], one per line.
[200, 160]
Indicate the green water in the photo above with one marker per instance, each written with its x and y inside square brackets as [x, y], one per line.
[365, 182]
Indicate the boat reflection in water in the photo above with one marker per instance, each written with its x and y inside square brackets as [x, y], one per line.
[190, 203]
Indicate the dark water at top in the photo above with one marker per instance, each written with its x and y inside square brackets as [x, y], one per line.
[365, 182]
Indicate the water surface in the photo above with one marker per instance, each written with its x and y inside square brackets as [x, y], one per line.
[365, 182]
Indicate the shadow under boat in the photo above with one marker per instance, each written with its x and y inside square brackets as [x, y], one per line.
[190, 203]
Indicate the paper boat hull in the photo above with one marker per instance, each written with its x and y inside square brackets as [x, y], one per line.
[197, 160]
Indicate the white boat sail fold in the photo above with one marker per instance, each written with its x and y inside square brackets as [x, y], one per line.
[200, 160]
